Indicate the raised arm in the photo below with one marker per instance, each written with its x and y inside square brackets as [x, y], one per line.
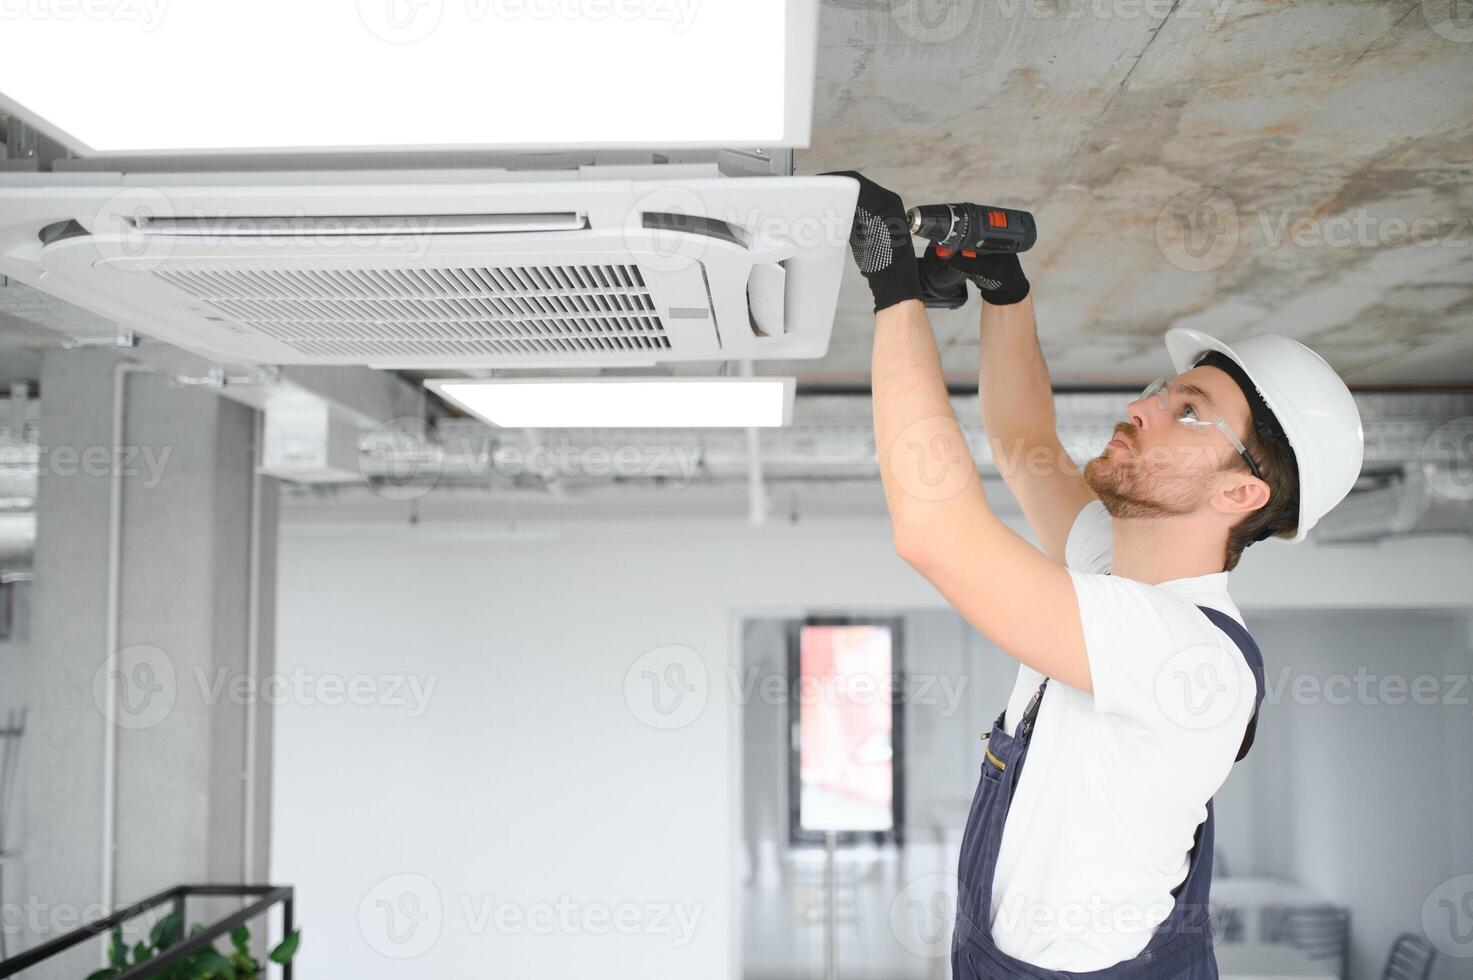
[1018, 402]
[1018, 416]
[940, 518]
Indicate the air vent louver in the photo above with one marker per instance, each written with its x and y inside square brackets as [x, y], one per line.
[500, 310]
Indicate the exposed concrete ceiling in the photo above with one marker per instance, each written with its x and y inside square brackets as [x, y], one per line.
[1282, 122]
[1297, 143]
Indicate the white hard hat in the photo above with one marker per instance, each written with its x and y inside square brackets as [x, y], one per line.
[1312, 405]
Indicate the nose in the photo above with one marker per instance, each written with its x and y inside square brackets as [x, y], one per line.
[1139, 410]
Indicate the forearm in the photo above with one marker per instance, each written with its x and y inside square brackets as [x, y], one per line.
[926, 466]
[1016, 397]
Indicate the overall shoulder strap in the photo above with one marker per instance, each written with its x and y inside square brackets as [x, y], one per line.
[1254, 658]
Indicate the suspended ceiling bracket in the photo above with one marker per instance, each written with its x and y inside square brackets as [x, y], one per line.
[27, 149]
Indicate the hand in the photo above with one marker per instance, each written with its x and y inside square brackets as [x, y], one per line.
[880, 241]
[997, 275]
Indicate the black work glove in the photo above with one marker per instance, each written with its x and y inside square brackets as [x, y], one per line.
[880, 241]
[998, 276]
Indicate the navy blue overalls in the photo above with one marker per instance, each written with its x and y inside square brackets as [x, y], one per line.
[1181, 946]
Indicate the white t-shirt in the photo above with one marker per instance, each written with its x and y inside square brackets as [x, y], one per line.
[1117, 782]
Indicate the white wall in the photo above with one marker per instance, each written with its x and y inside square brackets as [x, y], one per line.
[533, 776]
[1361, 790]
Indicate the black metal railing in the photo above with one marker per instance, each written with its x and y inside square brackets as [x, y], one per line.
[269, 896]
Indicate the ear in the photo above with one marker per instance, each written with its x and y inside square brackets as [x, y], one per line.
[1239, 494]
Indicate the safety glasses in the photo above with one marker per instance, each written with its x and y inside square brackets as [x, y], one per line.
[1190, 406]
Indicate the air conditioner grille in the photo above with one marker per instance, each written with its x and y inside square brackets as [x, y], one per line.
[506, 311]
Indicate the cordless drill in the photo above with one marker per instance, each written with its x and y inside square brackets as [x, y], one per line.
[972, 230]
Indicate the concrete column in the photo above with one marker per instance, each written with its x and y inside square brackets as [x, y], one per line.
[180, 661]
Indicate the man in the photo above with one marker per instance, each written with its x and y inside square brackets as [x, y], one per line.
[1137, 682]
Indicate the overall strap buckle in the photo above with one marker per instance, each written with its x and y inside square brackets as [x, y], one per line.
[1030, 713]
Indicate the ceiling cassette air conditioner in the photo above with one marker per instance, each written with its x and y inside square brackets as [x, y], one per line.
[596, 267]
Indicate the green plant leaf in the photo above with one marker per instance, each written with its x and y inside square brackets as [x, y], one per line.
[245, 965]
[207, 964]
[102, 974]
[141, 952]
[216, 965]
[117, 950]
[240, 938]
[287, 948]
[166, 931]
